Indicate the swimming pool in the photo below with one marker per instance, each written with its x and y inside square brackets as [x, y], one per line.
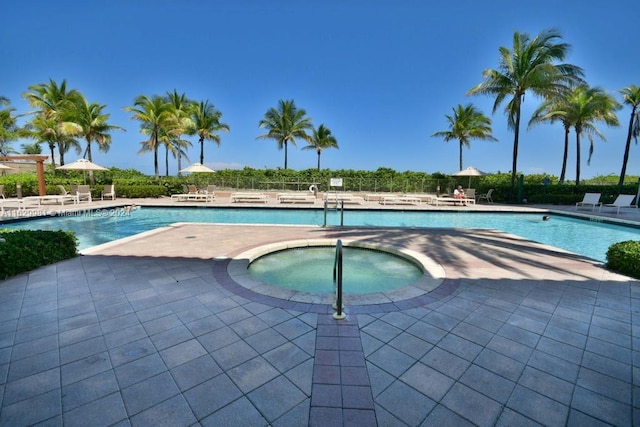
[588, 238]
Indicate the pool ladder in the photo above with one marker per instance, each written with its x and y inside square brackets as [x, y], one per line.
[337, 282]
[326, 207]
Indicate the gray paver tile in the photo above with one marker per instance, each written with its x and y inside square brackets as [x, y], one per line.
[139, 370]
[443, 416]
[510, 418]
[85, 368]
[218, 339]
[382, 330]
[483, 381]
[171, 412]
[195, 372]
[538, 407]
[208, 397]
[460, 347]
[427, 381]
[555, 366]
[605, 385]
[131, 351]
[89, 389]
[547, 385]
[472, 405]
[405, 403]
[182, 353]
[32, 365]
[276, 398]
[238, 413]
[286, 357]
[108, 410]
[22, 413]
[149, 392]
[601, 407]
[445, 362]
[33, 385]
[252, 374]
[391, 360]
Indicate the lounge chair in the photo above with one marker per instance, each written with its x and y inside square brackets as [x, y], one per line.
[486, 196]
[109, 190]
[590, 199]
[84, 193]
[2, 191]
[622, 201]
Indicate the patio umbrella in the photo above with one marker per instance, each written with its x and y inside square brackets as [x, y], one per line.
[2, 166]
[83, 165]
[197, 167]
[470, 171]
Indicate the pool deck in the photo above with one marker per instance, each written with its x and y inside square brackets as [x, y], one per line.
[161, 329]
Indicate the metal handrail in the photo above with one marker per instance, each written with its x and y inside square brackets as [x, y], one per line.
[326, 205]
[337, 281]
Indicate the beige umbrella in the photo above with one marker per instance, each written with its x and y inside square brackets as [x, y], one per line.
[3, 166]
[197, 167]
[83, 165]
[470, 171]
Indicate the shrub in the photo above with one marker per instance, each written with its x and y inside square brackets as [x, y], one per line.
[25, 250]
[140, 191]
[624, 257]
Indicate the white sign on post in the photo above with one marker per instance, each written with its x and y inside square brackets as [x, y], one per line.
[336, 182]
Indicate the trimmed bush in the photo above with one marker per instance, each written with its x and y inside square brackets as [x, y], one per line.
[141, 191]
[624, 257]
[25, 250]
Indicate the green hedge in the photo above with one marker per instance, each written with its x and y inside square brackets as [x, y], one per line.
[624, 257]
[25, 250]
[141, 191]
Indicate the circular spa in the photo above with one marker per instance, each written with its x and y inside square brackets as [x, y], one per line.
[303, 271]
[310, 269]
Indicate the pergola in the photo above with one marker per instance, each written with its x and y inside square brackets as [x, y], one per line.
[42, 188]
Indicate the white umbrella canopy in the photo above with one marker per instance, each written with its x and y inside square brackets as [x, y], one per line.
[5, 166]
[197, 167]
[83, 165]
[470, 171]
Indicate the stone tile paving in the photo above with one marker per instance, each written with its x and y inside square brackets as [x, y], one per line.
[544, 339]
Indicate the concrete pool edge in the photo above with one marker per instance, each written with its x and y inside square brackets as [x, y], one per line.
[433, 274]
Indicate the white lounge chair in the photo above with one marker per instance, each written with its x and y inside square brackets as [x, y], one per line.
[486, 196]
[109, 190]
[622, 201]
[84, 193]
[590, 199]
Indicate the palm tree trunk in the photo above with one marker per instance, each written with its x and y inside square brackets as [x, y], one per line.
[577, 157]
[179, 160]
[53, 157]
[202, 150]
[319, 159]
[627, 147]
[166, 161]
[516, 138]
[460, 156]
[565, 156]
[92, 180]
[285, 154]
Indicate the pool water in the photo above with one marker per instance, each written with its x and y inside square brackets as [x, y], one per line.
[310, 269]
[588, 238]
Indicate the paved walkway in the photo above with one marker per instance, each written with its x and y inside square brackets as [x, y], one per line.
[154, 331]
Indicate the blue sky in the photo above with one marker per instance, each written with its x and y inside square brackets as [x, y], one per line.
[380, 74]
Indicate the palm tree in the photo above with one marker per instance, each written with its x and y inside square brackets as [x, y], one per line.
[321, 139]
[466, 123]
[631, 97]
[54, 101]
[92, 125]
[206, 124]
[528, 66]
[180, 124]
[48, 131]
[153, 114]
[587, 105]
[550, 111]
[8, 127]
[285, 124]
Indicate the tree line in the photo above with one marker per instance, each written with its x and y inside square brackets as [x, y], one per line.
[534, 65]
